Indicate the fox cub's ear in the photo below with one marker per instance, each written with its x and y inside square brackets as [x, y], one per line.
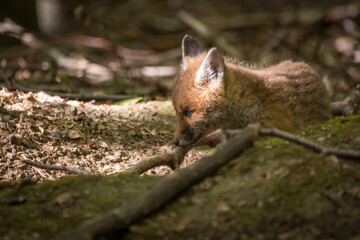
[212, 69]
[190, 48]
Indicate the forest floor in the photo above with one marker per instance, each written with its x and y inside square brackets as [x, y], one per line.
[274, 190]
[141, 60]
[98, 138]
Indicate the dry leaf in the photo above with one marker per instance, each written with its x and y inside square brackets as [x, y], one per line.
[73, 134]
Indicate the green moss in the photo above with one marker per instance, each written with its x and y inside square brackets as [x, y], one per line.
[274, 188]
[41, 214]
[341, 132]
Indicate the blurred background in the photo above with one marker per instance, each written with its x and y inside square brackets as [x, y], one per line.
[120, 49]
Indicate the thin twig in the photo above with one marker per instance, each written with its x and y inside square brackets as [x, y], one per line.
[273, 132]
[56, 167]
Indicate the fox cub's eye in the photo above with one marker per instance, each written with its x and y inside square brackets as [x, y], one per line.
[188, 113]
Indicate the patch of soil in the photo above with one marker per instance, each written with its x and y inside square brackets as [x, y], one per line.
[98, 138]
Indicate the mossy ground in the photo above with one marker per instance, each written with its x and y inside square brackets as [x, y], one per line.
[275, 190]
[45, 210]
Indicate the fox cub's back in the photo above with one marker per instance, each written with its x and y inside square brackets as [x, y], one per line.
[213, 92]
[301, 89]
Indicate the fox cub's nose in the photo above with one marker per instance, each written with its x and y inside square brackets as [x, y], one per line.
[176, 142]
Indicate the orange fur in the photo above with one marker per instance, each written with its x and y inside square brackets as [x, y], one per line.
[288, 95]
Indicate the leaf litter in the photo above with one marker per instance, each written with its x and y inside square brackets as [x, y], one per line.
[98, 138]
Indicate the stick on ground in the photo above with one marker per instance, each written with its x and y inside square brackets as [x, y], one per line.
[164, 190]
[172, 160]
[273, 132]
[167, 188]
[56, 167]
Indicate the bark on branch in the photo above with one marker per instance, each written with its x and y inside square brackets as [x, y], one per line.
[273, 132]
[348, 154]
[172, 160]
[164, 190]
[56, 167]
[167, 188]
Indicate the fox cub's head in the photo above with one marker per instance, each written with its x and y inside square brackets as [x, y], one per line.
[198, 93]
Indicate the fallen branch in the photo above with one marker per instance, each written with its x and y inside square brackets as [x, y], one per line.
[74, 96]
[164, 190]
[56, 167]
[348, 106]
[273, 132]
[209, 34]
[172, 160]
[173, 184]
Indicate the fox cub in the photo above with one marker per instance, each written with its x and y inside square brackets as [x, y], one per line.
[213, 91]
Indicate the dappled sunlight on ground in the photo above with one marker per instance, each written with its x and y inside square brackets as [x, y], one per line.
[101, 139]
